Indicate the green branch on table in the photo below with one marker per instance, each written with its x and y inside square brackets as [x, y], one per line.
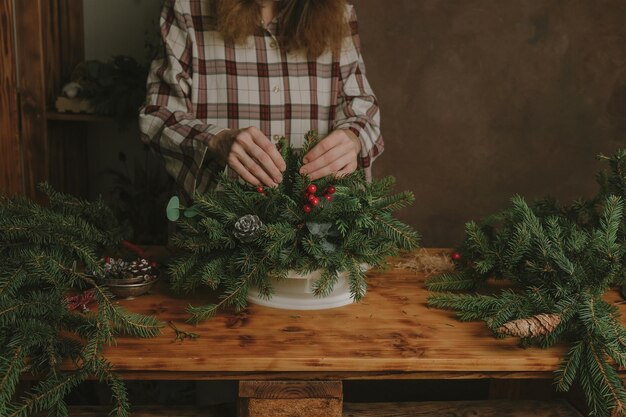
[560, 260]
[40, 248]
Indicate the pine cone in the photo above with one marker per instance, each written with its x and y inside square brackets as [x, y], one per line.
[113, 268]
[247, 227]
[140, 267]
[538, 325]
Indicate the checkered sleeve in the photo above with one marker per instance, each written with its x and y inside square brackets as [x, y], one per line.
[167, 120]
[357, 107]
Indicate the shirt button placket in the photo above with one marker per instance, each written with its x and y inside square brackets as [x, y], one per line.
[276, 89]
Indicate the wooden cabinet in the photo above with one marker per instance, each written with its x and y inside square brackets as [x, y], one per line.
[42, 41]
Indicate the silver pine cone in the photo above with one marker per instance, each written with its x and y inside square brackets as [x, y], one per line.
[247, 227]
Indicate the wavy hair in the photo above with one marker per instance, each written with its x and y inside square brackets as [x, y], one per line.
[308, 26]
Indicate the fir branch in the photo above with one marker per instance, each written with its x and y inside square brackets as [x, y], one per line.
[560, 259]
[396, 231]
[323, 287]
[608, 379]
[10, 370]
[46, 394]
[41, 247]
[569, 367]
[452, 281]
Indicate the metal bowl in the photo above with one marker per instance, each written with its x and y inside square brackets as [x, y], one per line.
[131, 290]
[130, 287]
[122, 281]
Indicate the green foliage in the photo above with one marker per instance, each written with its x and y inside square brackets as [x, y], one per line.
[560, 260]
[355, 228]
[115, 88]
[42, 253]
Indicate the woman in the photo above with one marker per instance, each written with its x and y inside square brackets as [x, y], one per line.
[239, 74]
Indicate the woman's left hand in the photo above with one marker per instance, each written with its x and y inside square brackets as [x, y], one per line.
[337, 154]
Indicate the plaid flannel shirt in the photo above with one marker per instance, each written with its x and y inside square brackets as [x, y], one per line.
[203, 85]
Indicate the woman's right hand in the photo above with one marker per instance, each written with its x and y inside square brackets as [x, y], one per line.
[255, 158]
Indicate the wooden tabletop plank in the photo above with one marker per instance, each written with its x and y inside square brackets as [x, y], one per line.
[391, 332]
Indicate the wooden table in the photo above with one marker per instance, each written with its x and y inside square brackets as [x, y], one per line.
[392, 334]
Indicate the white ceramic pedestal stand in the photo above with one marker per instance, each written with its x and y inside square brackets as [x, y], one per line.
[296, 293]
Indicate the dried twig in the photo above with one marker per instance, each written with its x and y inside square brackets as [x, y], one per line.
[181, 335]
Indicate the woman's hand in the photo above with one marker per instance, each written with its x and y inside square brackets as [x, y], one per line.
[255, 158]
[337, 154]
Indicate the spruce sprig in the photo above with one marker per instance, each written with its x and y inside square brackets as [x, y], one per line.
[43, 250]
[560, 260]
[357, 227]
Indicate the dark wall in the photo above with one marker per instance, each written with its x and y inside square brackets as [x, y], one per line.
[482, 99]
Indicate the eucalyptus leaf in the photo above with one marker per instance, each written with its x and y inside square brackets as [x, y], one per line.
[191, 212]
[328, 246]
[319, 229]
[173, 209]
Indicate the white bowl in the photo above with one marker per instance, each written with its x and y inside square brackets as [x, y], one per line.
[296, 293]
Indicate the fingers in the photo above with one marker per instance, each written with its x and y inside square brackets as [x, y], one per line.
[239, 159]
[337, 152]
[259, 147]
[349, 169]
[242, 171]
[327, 159]
[324, 146]
[255, 158]
[340, 164]
[269, 148]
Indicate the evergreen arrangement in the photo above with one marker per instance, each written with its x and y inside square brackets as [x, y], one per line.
[560, 261]
[237, 236]
[43, 250]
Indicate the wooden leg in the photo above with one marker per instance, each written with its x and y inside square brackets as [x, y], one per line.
[290, 398]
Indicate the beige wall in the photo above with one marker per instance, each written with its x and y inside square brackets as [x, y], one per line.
[482, 99]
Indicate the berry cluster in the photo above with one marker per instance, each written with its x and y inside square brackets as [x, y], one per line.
[310, 195]
[312, 200]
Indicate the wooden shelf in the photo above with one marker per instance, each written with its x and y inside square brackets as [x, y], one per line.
[77, 117]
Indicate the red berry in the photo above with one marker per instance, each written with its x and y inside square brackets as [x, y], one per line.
[315, 201]
[328, 197]
[331, 189]
[312, 189]
[107, 260]
[311, 197]
[456, 256]
[260, 190]
[154, 264]
[307, 208]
